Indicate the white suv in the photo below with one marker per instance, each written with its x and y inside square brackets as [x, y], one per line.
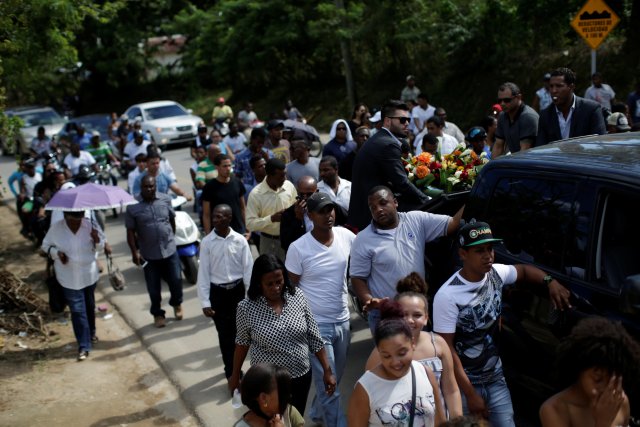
[168, 122]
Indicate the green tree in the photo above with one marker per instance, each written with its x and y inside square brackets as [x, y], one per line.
[37, 45]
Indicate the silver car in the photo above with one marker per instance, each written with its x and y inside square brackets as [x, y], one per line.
[168, 122]
[32, 117]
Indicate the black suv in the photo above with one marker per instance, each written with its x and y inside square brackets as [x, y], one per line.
[572, 209]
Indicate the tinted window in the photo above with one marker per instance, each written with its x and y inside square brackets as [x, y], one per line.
[537, 220]
[619, 236]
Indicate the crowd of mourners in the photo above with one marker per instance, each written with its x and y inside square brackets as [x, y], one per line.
[349, 215]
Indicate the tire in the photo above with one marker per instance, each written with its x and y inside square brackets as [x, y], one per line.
[190, 269]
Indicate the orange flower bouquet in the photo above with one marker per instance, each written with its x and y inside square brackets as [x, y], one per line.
[456, 171]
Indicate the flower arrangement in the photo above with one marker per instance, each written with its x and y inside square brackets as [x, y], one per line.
[434, 174]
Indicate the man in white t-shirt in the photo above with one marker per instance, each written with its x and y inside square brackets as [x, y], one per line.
[77, 158]
[317, 262]
[466, 313]
[420, 113]
[133, 148]
[600, 92]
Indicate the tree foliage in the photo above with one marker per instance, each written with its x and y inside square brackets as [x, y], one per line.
[460, 50]
[38, 44]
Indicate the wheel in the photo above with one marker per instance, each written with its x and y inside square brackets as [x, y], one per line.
[190, 269]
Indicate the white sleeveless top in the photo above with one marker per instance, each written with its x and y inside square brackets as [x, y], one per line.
[390, 400]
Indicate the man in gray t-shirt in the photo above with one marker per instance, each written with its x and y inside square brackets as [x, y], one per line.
[517, 124]
[391, 248]
[304, 164]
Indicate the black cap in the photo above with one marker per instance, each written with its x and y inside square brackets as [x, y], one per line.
[476, 233]
[274, 124]
[318, 201]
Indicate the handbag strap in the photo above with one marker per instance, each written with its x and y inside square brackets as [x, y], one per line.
[109, 264]
[412, 411]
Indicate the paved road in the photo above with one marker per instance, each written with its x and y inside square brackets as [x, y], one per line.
[188, 350]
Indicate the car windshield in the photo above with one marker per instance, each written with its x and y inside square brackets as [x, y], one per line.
[40, 118]
[164, 112]
[93, 123]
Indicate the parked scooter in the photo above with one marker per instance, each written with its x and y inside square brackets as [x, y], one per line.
[187, 238]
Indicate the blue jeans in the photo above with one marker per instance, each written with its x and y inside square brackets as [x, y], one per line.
[336, 338]
[169, 270]
[373, 318]
[82, 304]
[497, 400]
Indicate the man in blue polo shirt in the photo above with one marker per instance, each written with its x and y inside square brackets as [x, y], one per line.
[392, 247]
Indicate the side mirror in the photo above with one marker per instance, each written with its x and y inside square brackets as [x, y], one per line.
[630, 298]
[138, 118]
[189, 110]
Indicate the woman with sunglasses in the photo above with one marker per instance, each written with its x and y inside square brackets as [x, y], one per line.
[341, 142]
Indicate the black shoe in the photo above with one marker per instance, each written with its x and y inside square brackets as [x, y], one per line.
[82, 355]
[94, 339]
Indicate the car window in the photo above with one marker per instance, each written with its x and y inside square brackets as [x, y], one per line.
[40, 118]
[617, 255]
[536, 218]
[164, 112]
[133, 113]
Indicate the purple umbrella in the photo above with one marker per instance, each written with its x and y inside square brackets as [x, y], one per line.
[90, 196]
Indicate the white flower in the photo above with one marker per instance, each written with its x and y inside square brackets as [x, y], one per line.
[410, 175]
[457, 174]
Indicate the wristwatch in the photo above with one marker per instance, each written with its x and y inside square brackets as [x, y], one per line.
[547, 279]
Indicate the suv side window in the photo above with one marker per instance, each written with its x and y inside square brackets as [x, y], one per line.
[537, 220]
[619, 234]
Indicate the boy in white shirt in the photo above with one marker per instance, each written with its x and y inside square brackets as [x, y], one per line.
[466, 313]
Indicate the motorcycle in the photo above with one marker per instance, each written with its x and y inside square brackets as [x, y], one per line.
[104, 176]
[187, 237]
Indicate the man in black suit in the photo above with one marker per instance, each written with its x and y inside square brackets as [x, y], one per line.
[569, 115]
[379, 162]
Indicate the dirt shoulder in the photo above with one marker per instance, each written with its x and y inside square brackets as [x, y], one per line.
[43, 384]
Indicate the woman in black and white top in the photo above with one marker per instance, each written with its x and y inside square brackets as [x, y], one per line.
[275, 323]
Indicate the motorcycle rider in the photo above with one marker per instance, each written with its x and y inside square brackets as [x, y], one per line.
[42, 145]
[132, 149]
[77, 158]
[102, 153]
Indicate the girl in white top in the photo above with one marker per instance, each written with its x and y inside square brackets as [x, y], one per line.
[431, 349]
[383, 395]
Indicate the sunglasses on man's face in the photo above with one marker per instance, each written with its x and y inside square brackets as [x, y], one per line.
[402, 120]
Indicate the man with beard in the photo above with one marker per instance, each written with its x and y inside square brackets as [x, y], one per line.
[379, 163]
